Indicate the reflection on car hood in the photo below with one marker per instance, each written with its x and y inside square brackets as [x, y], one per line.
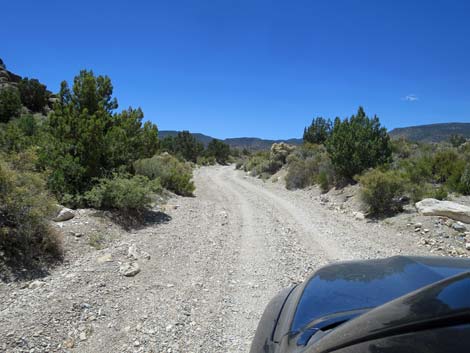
[351, 286]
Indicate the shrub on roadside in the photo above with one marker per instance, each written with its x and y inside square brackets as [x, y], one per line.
[10, 104]
[25, 236]
[464, 184]
[309, 165]
[380, 190]
[173, 175]
[206, 161]
[358, 143]
[122, 193]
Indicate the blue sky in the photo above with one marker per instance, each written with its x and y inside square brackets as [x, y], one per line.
[253, 67]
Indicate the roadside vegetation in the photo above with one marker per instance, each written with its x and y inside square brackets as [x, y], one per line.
[78, 150]
[358, 149]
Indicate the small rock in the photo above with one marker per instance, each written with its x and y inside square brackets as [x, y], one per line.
[359, 215]
[418, 225]
[129, 269]
[69, 342]
[467, 246]
[64, 215]
[168, 328]
[459, 227]
[132, 252]
[145, 255]
[104, 258]
[83, 336]
[36, 284]
[425, 230]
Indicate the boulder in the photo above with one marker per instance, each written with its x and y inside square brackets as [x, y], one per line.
[453, 210]
[64, 215]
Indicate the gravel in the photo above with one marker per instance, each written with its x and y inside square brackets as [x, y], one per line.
[195, 280]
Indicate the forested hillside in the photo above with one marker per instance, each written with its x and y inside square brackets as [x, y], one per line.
[432, 132]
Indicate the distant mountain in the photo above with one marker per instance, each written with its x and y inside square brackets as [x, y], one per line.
[250, 143]
[431, 132]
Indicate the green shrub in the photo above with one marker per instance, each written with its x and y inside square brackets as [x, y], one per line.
[308, 165]
[25, 236]
[10, 104]
[301, 173]
[206, 161]
[445, 164]
[464, 184]
[323, 181]
[380, 190]
[240, 163]
[33, 94]
[357, 144]
[123, 193]
[257, 163]
[439, 193]
[173, 175]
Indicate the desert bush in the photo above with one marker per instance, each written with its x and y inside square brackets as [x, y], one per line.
[206, 161]
[239, 163]
[173, 175]
[464, 184]
[10, 104]
[122, 193]
[301, 173]
[257, 162]
[309, 164]
[380, 190]
[357, 144]
[25, 236]
[445, 164]
[33, 94]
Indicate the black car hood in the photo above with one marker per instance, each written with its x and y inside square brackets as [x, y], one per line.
[353, 287]
[445, 304]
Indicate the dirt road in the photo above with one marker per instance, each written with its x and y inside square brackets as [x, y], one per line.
[211, 271]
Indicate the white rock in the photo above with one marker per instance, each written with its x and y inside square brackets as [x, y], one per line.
[433, 207]
[64, 215]
[459, 226]
[132, 252]
[36, 284]
[104, 258]
[359, 215]
[129, 269]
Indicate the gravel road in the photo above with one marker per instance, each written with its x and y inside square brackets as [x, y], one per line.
[205, 276]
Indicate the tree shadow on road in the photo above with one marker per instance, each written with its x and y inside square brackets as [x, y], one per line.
[135, 221]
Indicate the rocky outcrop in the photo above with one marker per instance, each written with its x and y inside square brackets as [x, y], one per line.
[10, 80]
[453, 210]
[7, 78]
